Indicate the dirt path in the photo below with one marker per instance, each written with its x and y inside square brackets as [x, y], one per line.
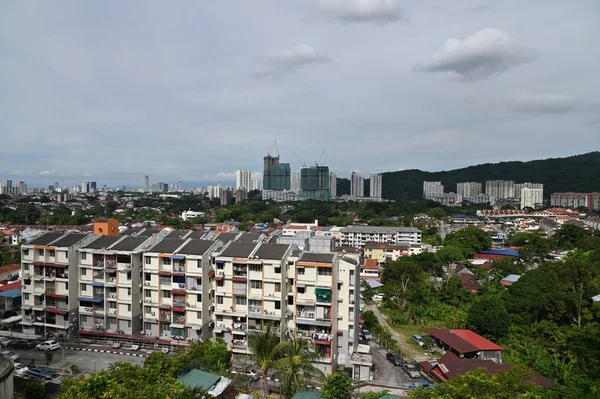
[410, 352]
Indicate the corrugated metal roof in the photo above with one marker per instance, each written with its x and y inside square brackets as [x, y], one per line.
[199, 379]
[307, 395]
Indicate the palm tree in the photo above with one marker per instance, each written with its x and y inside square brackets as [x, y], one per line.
[295, 365]
[264, 351]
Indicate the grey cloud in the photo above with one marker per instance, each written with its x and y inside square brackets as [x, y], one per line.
[526, 101]
[378, 12]
[288, 61]
[478, 56]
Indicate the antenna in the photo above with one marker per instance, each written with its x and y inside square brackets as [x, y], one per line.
[274, 148]
[298, 158]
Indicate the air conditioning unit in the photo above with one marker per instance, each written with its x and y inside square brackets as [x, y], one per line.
[148, 301]
[153, 313]
[128, 266]
[88, 309]
[147, 284]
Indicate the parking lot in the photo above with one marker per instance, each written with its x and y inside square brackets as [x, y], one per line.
[385, 372]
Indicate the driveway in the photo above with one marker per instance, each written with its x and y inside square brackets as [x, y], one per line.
[385, 372]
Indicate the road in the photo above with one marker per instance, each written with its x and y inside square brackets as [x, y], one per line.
[85, 361]
[385, 372]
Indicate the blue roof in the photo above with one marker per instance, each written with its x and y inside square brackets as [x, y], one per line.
[95, 300]
[14, 293]
[501, 251]
[373, 283]
[177, 257]
[97, 284]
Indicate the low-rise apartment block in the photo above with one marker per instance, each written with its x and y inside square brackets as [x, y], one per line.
[575, 200]
[358, 236]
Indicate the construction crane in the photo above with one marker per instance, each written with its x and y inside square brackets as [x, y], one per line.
[321, 157]
[299, 160]
[274, 148]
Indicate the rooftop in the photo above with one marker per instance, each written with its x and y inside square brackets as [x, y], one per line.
[238, 250]
[199, 379]
[103, 242]
[317, 257]
[167, 245]
[69, 239]
[307, 395]
[46, 239]
[196, 247]
[129, 243]
[463, 341]
[226, 237]
[272, 251]
[130, 231]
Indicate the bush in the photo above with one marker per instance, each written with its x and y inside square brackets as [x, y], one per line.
[74, 368]
[35, 390]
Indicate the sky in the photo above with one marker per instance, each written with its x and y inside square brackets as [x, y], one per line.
[193, 90]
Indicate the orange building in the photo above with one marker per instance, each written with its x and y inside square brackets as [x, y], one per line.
[105, 226]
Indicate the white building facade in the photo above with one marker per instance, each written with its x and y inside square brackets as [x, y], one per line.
[358, 236]
[243, 180]
[375, 186]
[532, 197]
[432, 189]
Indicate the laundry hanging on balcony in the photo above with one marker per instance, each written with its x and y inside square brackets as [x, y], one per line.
[323, 294]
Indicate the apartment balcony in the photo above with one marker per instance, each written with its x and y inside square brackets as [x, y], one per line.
[25, 273]
[179, 319]
[178, 269]
[265, 314]
[111, 262]
[240, 327]
[164, 316]
[178, 288]
[39, 305]
[62, 276]
[219, 274]
[112, 311]
[239, 344]
[240, 289]
[38, 276]
[38, 289]
[151, 317]
[111, 296]
[165, 283]
[240, 278]
[322, 338]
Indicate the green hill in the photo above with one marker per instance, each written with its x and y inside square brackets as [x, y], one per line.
[576, 173]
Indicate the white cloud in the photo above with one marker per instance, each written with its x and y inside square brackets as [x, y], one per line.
[379, 12]
[256, 176]
[47, 173]
[287, 61]
[485, 53]
[525, 101]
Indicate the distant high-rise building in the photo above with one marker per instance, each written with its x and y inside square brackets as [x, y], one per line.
[22, 188]
[85, 187]
[276, 176]
[432, 189]
[214, 191]
[9, 183]
[179, 186]
[333, 184]
[576, 200]
[357, 185]
[520, 186]
[314, 183]
[146, 183]
[375, 186]
[243, 179]
[296, 182]
[226, 197]
[500, 189]
[51, 188]
[93, 186]
[255, 185]
[531, 197]
[469, 190]
[240, 195]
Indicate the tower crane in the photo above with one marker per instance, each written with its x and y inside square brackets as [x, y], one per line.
[274, 148]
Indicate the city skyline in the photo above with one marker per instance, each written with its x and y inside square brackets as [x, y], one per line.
[335, 75]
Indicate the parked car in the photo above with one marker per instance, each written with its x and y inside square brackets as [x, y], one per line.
[41, 373]
[52, 345]
[5, 341]
[395, 359]
[249, 372]
[378, 297]
[20, 369]
[23, 344]
[419, 384]
[367, 334]
[411, 370]
[418, 339]
[12, 355]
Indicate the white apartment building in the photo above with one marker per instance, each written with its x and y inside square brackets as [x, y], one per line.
[483, 199]
[48, 275]
[432, 189]
[500, 189]
[375, 186]
[357, 185]
[243, 179]
[358, 236]
[279, 195]
[187, 215]
[520, 186]
[532, 197]
[333, 185]
[295, 187]
[468, 190]
[450, 199]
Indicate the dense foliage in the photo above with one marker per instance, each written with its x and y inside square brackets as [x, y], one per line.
[337, 386]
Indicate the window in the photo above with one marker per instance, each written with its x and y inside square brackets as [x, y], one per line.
[67, 286]
[166, 261]
[256, 284]
[324, 271]
[301, 290]
[83, 318]
[240, 300]
[82, 286]
[148, 277]
[147, 260]
[300, 271]
[199, 298]
[40, 252]
[128, 291]
[147, 293]
[277, 305]
[199, 263]
[277, 287]
[220, 266]
[256, 268]
[83, 255]
[147, 309]
[25, 252]
[129, 276]
[166, 294]
[52, 253]
[278, 270]
[219, 300]
[129, 308]
[129, 323]
[220, 283]
[26, 296]
[112, 305]
[83, 272]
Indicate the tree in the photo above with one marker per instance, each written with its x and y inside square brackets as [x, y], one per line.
[296, 365]
[264, 351]
[488, 316]
[403, 280]
[436, 213]
[35, 390]
[515, 383]
[366, 291]
[48, 355]
[337, 386]
[569, 236]
[470, 240]
[450, 253]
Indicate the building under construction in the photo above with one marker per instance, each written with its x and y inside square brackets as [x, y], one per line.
[314, 183]
[276, 176]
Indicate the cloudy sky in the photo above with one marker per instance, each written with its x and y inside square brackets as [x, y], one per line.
[193, 90]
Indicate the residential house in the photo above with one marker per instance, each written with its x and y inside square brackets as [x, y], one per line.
[466, 344]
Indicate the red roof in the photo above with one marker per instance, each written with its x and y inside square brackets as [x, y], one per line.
[463, 341]
[11, 286]
[9, 268]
